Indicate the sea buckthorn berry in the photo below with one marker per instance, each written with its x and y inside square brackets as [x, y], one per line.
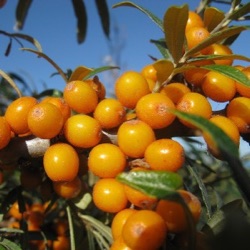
[244, 90]
[60, 104]
[110, 113]
[97, 86]
[228, 127]
[119, 244]
[16, 212]
[194, 103]
[218, 87]
[119, 220]
[175, 91]
[165, 154]
[130, 87]
[17, 113]
[106, 160]
[82, 131]
[5, 132]
[45, 120]
[109, 195]
[238, 110]
[195, 76]
[145, 230]
[61, 243]
[34, 220]
[68, 189]
[220, 49]
[80, 96]
[154, 109]
[149, 72]
[134, 136]
[194, 20]
[174, 215]
[61, 162]
[195, 36]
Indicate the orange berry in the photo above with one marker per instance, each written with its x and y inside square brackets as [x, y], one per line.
[196, 75]
[82, 131]
[228, 127]
[220, 49]
[41, 120]
[5, 132]
[61, 162]
[61, 227]
[173, 212]
[61, 243]
[238, 110]
[119, 244]
[97, 86]
[133, 137]
[109, 195]
[154, 109]
[17, 113]
[35, 220]
[165, 154]
[149, 72]
[106, 160]
[145, 230]
[110, 113]
[15, 212]
[68, 189]
[80, 96]
[244, 90]
[194, 103]
[119, 220]
[60, 104]
[218, 87]
[194, 20]
[175, 91]
[195, 36]
[130, 87]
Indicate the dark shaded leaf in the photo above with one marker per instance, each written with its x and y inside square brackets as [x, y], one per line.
[7, 51]
[161, 45]
[175, 20]
[240, 12]
[21, 12]
[81, 16]
[212, 17]
[103, 11]
[164, 69]
[158, 184]
[230, 72]
[214, 38]
[50, 92]
[154, 18]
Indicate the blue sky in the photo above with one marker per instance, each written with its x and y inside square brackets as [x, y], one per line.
[53, 24]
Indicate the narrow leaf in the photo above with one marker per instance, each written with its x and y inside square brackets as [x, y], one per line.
[81, 16]
[164, 69]
[175, 20]
[8, 49]
[21, 12]
[230, 72]
[214, 38]
[98, 70]
[29, 39]
[161, 45]
[212, 17]
[40, 54]
[240, 12]
[154, 183]
[154, 18]
[11, 82]
[219, 57]
[79, 73]
[104, 15]
[6, 244]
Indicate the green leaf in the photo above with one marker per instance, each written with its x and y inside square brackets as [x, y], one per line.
[154, 18]
[21, 12]
[154, 183]
[161, 46]
[104, 15]
[79, 73]
[212, 17]
[98, 70]
[240, 12]
[214, 38]
[222, 141]
[175, 20]
[29, 39]
[6, 244]
[230, 72]
[81, 16]
[164, 69]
